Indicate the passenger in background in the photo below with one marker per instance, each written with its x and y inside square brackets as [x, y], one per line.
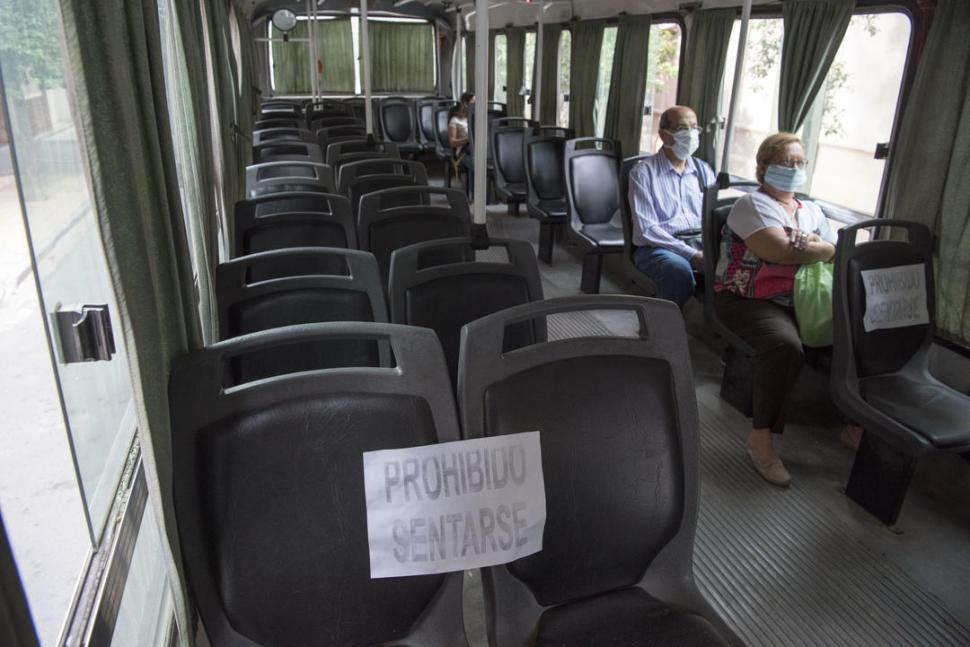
[768, 235]
[461, 155]
[667, 199]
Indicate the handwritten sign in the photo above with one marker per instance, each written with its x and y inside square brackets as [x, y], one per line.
[895, 297]
[454, 506]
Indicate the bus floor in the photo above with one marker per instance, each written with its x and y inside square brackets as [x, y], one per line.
[803, 566]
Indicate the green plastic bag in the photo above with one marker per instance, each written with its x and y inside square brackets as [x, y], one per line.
[813, 303]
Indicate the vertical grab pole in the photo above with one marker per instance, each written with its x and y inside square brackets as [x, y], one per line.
[481, 108]
[537, 74]
[736, 86]
[365, 56]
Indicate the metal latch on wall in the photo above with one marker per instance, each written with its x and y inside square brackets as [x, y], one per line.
[85, 334]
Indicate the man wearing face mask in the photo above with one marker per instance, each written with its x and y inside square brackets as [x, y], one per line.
[667, 200]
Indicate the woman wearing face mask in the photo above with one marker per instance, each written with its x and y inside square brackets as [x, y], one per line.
[769, 234]
[461, 155]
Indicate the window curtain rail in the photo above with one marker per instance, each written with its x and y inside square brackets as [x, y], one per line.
[628, 83]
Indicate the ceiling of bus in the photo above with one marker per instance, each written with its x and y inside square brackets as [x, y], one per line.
[501, 13]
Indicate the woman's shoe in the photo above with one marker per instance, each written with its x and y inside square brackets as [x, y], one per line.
[772, 470]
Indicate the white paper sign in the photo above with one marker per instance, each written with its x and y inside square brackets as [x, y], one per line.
[895, 297]
[454, 506]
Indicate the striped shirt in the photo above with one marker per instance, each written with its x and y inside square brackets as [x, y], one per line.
[665, 202]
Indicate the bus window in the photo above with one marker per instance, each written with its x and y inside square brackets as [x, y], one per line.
[563, 94]
[530, 57]
[499, 91]
[290, 61]
[663, 71]
[854, 112]
[603, 79]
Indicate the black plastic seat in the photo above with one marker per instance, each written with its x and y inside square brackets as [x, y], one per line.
[298, 286]
[360, 178]
[446, 297]
[881, 377]
[274, 135]
[333, 134]
[283, 177]
[355, 150]
[287, 151]
[508, 142]
[630, 268]
[280, 109]
[546, 199]
[269, 497]
[556, 131]
[425, 108]
[591, 168]
[383, 228]
[278, 122]
[620, 452]
[398, 123]
[293, 220]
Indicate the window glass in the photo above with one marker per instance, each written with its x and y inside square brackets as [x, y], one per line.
[500, 91]
[530, 59]
[854, 111]
[756, 115]
[603, 79]
[663, 72]
[563, 95]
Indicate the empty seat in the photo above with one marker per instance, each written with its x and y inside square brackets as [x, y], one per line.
[287, 151]
[446, 297]
[619, 436]
[508, 141]
[546, 197]
[880, 365]
[556, 131]
[281, 177]
[297, 286]
[332, 119]
[355, 150]
[360, 178]
[398, 123]
[591, 168]
[425, 108]
[632, 272]
[277, 109]
[269, 497]
[383, 228]
[293, 220]
[327, 136]
[267, 135]
[278, 122]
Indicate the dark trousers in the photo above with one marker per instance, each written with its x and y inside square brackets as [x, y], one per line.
[770, 329]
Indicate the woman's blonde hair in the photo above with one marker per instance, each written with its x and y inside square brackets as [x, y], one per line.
[770, 148]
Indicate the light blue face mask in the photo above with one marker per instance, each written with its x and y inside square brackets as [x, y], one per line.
[685, 143]
[785, 178]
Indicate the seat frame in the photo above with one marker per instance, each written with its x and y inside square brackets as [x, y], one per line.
[549, 225]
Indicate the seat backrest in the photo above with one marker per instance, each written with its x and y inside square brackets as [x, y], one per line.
[332, 119]
[396, 173]
[556, 131]
[716, 211]
[269, 491]
[626, 209]
[278, 122]
[446, 297]
[507, 151]
[293, 220]
[441, 119]
[861, 353]
[543, 160]
[267, 135]
[383, 228]
[282, 177]
[426, 120]
[397, 121]
[297, 286]
[591, 168]
[287, 151]
[351, 172]
[354, 150]
[327, 136]
[611, 412]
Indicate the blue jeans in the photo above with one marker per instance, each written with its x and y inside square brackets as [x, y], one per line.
[670, 272]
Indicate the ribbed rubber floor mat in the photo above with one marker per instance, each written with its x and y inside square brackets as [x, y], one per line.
[782, 571]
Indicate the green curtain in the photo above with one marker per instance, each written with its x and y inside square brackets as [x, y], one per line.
[402, 57]
[245, 98]
[115, 56]
[469, 62]
[515, 78]
[703, 73]
[929, 179]
[547, 112]
[813, 32]
[628, 83]
[584, 63]
[335, 49]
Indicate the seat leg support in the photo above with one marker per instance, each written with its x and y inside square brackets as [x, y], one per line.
[737, 382]
[514, 209]
[880, 477]
[547, 233]
[448, 172]
[592, 269]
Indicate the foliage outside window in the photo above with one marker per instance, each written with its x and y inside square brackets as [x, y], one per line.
[500, 91]
[530, 59]
[565, 42]
[663, 71]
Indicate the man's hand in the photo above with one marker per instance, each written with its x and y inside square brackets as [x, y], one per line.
[697, 262]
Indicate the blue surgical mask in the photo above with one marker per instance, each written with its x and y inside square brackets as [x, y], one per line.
[685, 143]
[785, 178]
